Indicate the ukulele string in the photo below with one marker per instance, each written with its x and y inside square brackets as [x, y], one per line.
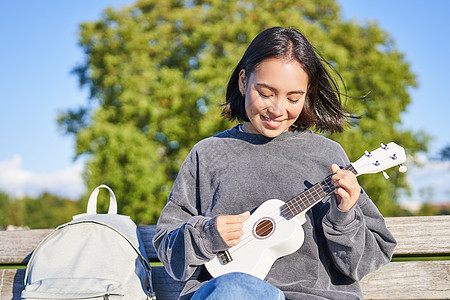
[248, 233]
[306, 200]
[278, 217]
[248, 230]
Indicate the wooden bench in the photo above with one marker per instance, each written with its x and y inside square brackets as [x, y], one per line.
[403, 278]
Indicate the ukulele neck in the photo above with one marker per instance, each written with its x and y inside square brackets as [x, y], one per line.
[310, 197]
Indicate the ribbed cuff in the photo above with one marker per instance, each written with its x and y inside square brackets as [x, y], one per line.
[211, 237]
[339, 217]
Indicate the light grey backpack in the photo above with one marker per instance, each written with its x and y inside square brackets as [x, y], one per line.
[95, 256]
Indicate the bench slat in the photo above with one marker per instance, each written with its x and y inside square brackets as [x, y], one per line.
[11, 283]
[425, 235]
[397, 280]
[415, 236]
[16, 246]
[409, 280]
[166, 287]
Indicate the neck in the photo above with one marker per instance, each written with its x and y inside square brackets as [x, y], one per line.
[244, 128]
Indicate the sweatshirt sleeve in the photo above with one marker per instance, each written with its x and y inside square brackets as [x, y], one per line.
[358, 240]
[185, 239]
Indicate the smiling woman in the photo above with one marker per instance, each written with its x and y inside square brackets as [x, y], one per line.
[279, 90]
[274, 96]
[303, 72]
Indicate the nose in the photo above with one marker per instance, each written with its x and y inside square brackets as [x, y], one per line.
[275, 108]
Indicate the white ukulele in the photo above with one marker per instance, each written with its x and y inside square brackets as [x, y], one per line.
[275, 228]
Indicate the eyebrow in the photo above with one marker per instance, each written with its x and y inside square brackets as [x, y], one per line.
[274, 89]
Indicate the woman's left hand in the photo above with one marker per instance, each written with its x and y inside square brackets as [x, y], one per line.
[347, 187]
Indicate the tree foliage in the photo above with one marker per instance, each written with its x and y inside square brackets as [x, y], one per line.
[157, 72]
[4, 202]
[44, 211]
[445, 153]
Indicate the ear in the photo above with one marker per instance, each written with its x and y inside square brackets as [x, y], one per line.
[242, 82]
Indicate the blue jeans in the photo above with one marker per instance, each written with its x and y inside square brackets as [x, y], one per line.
[237, 286]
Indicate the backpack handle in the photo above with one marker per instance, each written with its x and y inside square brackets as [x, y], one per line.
[92, 203]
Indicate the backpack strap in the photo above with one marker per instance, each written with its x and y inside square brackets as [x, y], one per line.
[92, 203]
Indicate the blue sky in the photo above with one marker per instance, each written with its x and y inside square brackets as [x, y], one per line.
[39, 49]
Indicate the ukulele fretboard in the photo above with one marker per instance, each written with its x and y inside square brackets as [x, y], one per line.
[311, 196]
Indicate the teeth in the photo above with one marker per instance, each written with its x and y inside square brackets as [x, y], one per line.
[271, 121]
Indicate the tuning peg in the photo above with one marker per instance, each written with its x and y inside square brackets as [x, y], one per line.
[367, 153]
[383, 146]
[402, 169]
[385, 175]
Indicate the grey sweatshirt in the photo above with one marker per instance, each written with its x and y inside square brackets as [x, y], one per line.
[234, 172]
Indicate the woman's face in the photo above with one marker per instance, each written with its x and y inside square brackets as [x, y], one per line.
[274, 96]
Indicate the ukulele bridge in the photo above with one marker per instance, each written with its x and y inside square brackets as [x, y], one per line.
[224, 257]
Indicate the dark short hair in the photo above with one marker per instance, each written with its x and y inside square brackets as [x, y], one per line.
[322, 107]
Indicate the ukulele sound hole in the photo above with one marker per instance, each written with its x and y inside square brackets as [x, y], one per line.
[264, 228]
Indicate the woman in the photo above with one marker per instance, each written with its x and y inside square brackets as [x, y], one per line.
[279, 90]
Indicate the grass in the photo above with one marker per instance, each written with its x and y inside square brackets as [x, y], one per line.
[420, 258]
[13, 267]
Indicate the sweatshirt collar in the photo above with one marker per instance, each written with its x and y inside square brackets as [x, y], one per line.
[261, 139]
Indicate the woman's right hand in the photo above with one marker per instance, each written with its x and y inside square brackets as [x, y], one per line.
[230, 227]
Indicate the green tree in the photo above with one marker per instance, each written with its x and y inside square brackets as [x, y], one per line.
[44, 211]
[427, 209]
[157, 73]
[4, 203]
[445, 153]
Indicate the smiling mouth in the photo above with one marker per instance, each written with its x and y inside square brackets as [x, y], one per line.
[270, 122]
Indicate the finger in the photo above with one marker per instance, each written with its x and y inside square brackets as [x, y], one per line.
[342, 193]
[347, 187]
[233, 242]
[232, 238]
[345, 202]
[231, 223]
[337, 175]
[334, 168]
[230, 227]
[345, 183]
[231, 219]
[245, 216]
[343, 178]
[348, 181]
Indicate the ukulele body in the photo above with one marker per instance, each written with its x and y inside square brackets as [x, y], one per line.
[267, 236]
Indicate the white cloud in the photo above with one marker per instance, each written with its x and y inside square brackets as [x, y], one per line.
[432, 176]
[18, 182]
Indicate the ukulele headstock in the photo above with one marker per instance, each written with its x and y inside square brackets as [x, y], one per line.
[383, 158]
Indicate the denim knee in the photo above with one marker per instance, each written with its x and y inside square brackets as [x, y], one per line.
[238, 286]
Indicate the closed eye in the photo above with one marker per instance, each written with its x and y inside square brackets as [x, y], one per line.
[264, 95]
